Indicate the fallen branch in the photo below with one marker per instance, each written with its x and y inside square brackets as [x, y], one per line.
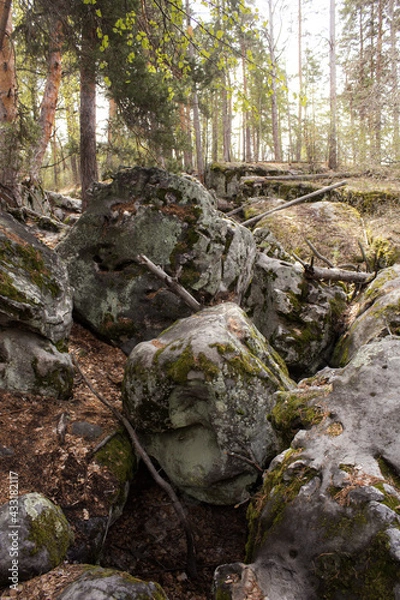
[319, 255]
[335, 274]
[176, 287]
[191, 553]
[293, 202]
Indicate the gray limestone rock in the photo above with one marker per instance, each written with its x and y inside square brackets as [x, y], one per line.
[328, 508]
[376, 314]
[174, 222]
[102, 584]
[34, 537]
[34, 286]
[199, 395]
[298, 317]
[31, 363]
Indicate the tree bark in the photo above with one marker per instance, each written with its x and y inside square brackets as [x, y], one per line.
[8, 107]
[332, 142]
[88, 162]
[49, 100]
[274, 97]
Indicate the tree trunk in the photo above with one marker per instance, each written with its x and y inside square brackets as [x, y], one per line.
[332, 141]
[49, 100]
[300, 105]
[394, 60]
[88, 161]
[8, 103]
[274, 97]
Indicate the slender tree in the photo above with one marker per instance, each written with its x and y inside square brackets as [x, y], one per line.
[332, 140]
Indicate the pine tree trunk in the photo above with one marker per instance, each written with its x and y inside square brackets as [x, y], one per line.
[88, 162]
[274, 97]
[332, 142]
[8, 102]
[49, 100]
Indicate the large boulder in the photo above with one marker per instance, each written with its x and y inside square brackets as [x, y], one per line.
[35, 314]
[35, 537]
[326, 523]
[334, 228]
[375, 314]
[298, 317]
[173, 221]
[199, 395]
[102, 584]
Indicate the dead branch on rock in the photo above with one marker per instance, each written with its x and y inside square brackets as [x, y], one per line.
[293, 202]
[319, 255]
[174, 286]
[335, 274]
[190, 547]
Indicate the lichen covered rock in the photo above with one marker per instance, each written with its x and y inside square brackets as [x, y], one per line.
[102, 584]
[34, 538]
[34, 286]
[199, 395]
[298, 317]
[173, 221]
[30, 363]
[325, 523]
[376, 314]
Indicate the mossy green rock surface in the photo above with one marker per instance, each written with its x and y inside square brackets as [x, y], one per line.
[326, 523]
[298, 317]
[35, 533]
[102, 584]
[173, 221]
[376, 314]
[200, 394]
[34, 285]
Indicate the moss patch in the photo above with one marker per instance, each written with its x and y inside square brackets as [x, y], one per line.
[50, 530]
[368, 575]
[268, 506]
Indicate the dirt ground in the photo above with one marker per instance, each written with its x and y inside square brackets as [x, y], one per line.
[147, 540]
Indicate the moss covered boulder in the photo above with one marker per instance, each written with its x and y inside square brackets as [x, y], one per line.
[34, 538]
[102, 584]
[173, 221]
[326, 523]
[332, 227]
[376, 314]
[35, 314]
[34, 286]
[199, 395]
[298, 317]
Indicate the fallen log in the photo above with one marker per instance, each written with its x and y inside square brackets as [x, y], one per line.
[170, 282]
[293, 202]
[335, 274]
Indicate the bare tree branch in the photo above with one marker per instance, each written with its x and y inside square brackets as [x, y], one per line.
[191, 553]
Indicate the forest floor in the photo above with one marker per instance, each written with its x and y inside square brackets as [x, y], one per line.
[147, 540]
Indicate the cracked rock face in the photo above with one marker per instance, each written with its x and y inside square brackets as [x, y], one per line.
[35, 314]
[326, 523]
[173, 221]
[200, 394]
[298, 317]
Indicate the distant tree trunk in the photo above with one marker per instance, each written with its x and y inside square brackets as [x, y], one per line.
[300, 105]
[8, 101]
[88, 161]
[226, 122]
[377, 113]
[332, 141]
[49, 100]
[274, 97]
[394, 59]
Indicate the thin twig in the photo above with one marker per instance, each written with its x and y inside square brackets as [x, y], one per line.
[191, 553]
[319, 255]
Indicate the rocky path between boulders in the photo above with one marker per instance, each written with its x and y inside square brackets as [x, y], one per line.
[147, 540]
